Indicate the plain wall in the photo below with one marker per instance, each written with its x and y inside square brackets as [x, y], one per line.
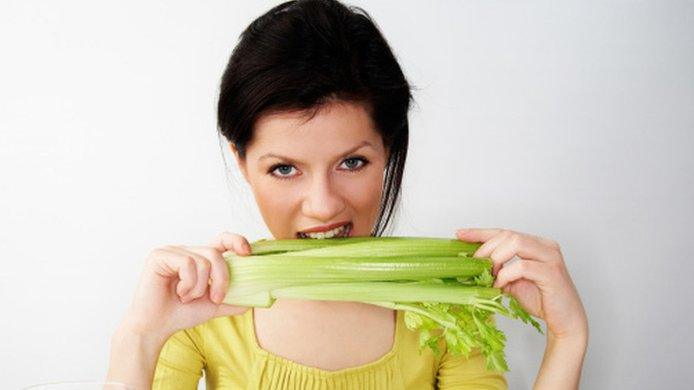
[569, 120]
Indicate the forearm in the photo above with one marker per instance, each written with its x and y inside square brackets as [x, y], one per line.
[562, 363]
[133, 358]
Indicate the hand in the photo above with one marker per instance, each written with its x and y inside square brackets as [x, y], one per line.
[173, 292]
[539, 280]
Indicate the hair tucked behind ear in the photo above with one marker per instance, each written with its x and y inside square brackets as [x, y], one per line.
[303, 54]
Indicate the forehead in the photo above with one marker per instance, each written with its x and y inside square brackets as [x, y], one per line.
[334, 128]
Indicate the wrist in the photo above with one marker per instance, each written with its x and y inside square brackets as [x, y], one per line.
[562, 362]
[131, 328]
[134, 356]
[574, 345]
[575, 334]
[577, 338]
[129, 334]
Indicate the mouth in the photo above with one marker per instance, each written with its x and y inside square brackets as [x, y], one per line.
[343, 231]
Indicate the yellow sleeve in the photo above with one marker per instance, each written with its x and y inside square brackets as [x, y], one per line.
[457, 372]
[180, 362]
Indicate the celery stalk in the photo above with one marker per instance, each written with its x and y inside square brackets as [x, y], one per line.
[365, 246]
[389, 291]
[446, 293]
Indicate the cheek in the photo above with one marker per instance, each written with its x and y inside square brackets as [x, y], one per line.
[365, 192]
[277, 203]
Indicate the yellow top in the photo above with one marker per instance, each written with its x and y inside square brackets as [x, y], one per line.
[227, 349]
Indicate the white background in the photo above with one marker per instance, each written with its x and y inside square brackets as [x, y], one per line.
[572, 120]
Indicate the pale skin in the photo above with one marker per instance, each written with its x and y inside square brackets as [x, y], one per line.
[183, 286]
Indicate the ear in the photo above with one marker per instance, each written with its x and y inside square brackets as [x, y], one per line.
[240, 162]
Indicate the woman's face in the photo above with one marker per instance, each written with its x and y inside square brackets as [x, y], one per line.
[323, 171]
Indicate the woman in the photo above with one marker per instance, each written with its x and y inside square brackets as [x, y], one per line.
[314, 106]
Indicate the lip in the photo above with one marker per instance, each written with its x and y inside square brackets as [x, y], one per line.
[324, 228]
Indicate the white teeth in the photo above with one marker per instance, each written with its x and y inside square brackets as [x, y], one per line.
[329, 234]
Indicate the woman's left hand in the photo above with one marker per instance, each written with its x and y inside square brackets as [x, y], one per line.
[539, 279]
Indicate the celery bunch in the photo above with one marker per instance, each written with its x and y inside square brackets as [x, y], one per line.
[445, 292]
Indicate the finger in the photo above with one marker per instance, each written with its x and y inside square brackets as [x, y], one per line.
[169, 262]
[187, 275]
[521, 245]
[526, 247]
[476, 234]
[521, 269]
[202, 267]
[488, 247]
[232, 241]
[219, 272]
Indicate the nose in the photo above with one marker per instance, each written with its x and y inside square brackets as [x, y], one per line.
[323, 202]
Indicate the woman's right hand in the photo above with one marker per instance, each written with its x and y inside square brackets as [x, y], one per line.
[175, 291]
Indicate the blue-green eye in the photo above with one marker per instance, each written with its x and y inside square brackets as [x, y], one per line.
[282, 171]
[354, 163]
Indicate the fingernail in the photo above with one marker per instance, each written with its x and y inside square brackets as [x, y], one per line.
[462, 231]
[219, 297]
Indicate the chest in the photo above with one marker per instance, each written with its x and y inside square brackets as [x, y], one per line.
[326, 339]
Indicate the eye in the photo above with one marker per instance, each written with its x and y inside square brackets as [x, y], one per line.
[283, 169]
[353, 163]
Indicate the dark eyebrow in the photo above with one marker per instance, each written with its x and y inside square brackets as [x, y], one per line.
[361, 145]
